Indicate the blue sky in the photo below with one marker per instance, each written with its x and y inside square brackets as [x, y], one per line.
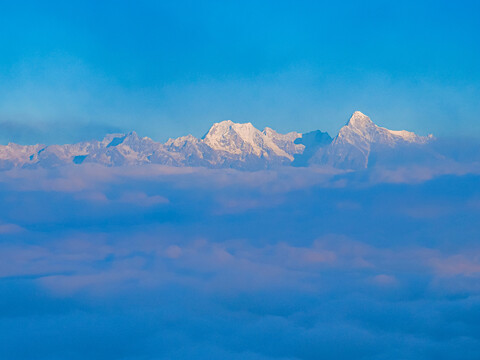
[78, 69]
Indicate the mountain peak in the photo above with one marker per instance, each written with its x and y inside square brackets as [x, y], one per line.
[223, 123]
[227, 143]
[225, 127]
[360, 120]
[229, 128]
[233, 137]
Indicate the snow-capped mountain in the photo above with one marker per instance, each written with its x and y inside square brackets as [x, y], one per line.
[14, 155]
[226, 144]
[245, 139]
[242, 145]
[360, 140]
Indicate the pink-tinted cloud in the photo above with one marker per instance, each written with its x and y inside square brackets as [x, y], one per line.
[10, 229]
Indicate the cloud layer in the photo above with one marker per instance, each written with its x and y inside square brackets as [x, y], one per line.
[163, 263]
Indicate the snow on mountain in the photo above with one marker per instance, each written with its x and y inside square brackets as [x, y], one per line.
[226, 144]
[114, 149]
[14, 155]
[359, 138]
[286, 142]
[122, 149]
[246, 140]
[184, 151]
[360, 129]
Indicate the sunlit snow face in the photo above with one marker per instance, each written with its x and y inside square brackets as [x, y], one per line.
[168, 263]
[360, 144]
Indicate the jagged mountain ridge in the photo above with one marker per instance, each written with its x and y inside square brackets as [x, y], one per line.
[359, 138]
[226, 144]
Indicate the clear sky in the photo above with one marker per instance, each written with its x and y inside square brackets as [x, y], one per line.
[73, 70]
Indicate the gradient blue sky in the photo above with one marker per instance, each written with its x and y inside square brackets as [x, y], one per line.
[78, 69]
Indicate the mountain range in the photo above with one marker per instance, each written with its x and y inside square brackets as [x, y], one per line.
[358, 145]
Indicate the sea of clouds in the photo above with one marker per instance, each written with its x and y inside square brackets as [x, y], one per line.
[155, 262]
